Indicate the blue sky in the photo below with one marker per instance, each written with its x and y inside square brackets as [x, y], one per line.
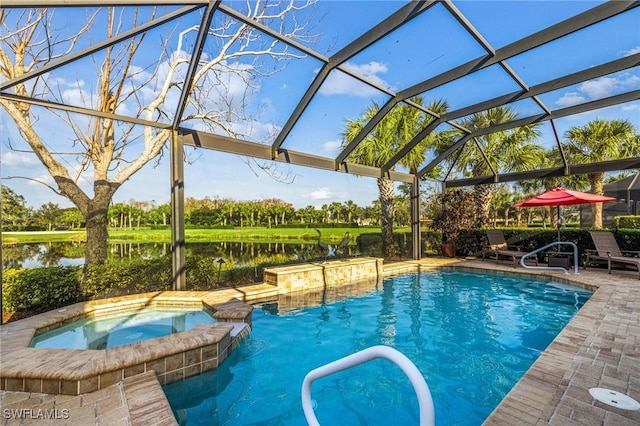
[429, 45]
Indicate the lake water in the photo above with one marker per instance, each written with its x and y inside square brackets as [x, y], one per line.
[36, 255]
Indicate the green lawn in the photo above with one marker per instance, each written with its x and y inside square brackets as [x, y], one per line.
[42, 236]
[293, 235]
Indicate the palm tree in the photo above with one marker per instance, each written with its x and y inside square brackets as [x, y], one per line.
[335, 208]
[397, 128]
[508, 150]
[351, 210]
[600, 140]
[502, 201]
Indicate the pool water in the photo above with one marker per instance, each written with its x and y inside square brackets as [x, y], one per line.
[472, 335]
[125, 328]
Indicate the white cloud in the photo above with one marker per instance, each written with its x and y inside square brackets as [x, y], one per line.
[123, 109]
[631, 107]
[331, 146]
[607, 86]
[237, 80]
[323, 193]
[71, 92]
[68, 91]
[255, 131]
[63, 82]
[17, 159]
[43, 178]
[631, 51]
[570, 98]
[369, 70]
[78, 97]
[599, 88]
[137, 73]
[339, 83]
[326, 195]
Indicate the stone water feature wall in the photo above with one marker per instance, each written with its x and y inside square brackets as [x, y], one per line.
[314, 276]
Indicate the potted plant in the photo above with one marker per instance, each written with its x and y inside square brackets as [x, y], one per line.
[455, 215]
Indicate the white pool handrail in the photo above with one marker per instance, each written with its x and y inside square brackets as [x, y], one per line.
[425, 402]
[555, 243]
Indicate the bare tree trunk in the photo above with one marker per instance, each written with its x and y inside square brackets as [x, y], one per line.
[385, 187]
[97, 235]
[95, 213]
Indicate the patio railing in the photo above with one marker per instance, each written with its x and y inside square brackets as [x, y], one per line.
[555, 243]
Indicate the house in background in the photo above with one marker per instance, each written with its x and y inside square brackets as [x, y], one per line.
[627, 193]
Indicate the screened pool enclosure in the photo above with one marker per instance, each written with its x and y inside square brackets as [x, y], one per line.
[276, 81]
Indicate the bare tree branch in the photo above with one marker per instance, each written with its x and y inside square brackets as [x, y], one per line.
[35, 180]
[110, 152]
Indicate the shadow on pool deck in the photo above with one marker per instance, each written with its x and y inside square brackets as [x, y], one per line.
[600, 347]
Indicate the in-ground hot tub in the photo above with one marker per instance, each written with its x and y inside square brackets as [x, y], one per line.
[123, 328]
[172, 357]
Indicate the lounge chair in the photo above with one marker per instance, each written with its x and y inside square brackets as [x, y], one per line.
[607, 249]
[499, 248]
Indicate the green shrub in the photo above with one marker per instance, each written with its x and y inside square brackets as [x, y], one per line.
[370, 244]
[529, 239]
[130, 277]
[159, 227]
[40, 289]
[431, 241]
[203, 272]
[141, 276]
[628, 239]
[627, 222]
[196, 226]
[321, 225]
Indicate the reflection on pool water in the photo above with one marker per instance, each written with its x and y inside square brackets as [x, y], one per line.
[472, 335]
[110, 331]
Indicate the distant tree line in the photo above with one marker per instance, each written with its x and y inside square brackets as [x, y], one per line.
[207, 212]
[273, 212]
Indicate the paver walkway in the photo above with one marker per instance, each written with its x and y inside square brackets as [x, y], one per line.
[138, 400]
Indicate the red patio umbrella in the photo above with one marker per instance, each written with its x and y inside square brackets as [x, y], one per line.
[562, 197]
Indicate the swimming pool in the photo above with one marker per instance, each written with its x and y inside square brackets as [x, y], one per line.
[472, 335]
[123, 328]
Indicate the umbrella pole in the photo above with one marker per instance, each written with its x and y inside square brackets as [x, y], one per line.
[558, 224]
